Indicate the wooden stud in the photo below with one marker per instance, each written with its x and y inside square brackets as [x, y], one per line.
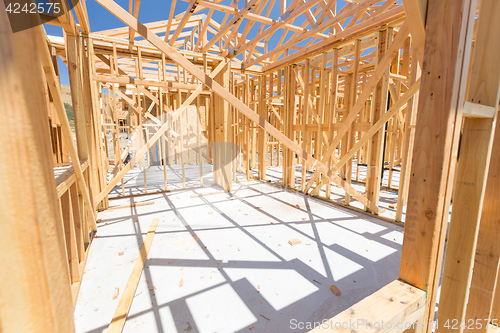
[34, 274]
[436, 144]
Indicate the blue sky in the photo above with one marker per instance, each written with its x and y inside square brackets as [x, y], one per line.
[101, 19]
[156, 10]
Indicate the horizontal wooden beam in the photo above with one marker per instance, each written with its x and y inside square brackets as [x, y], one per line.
[474, 110]
[122, 80]
[357, 127]
[68, 178]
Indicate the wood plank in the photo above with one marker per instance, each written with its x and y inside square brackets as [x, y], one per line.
[55, 90]
[375, 160]
[487, 256]
[187, 14]
[77, 222]
[67, 178]
[472, 170]
[367, 91]
[409, 136]
[120, 316]
[137, 6]
[262, 135]
[321, 27]
[379, 124]
[69, 236]
[137, 157]
[340, 39]
[274, 26]
[146, 83]
[474, 110]
[397, 305]
[35, 292]
[448, 40]
[353, 95]
[170, 17]
[416, 12]
[237, 17]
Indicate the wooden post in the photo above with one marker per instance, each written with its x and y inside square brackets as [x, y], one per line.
[117, 130]
[222, 144]
[66, 209]
[247, 131]
[472, 172]
[333, 109]
[375, 159]
[92, 121]
[198, 138]
[180, 128]
[34, 275]
[352, 101]
[254, 129]
[288, 120]
[83, 122]
[487, 255]
[305, 117]
[407, 149]
[447, 51]
[262, 144]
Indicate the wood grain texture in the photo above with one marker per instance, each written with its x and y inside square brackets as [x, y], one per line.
[487, 254]
[120, 316]
[33, 266]
[396, 303]
[448, 37]
[55, 90]
[472, 172]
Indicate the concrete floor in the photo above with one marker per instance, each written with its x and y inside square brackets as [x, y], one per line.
[134, 179]
[388, 197]
[232, 253]
[134, 183]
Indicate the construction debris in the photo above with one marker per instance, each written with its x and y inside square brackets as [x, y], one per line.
[115, 296]
[335, 290]
[132, 205]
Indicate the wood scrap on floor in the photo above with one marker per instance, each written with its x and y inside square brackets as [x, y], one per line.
[206, 194]
[120, 316]
[335, 290]
[138, 204]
